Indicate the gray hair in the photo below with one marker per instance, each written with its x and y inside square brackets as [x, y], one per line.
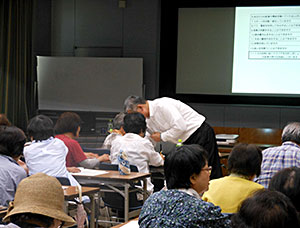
[291, 132]
[131, 102]
[118, 121]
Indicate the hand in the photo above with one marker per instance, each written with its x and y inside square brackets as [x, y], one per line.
[23, 165]
[103, 158]
[73, 169]
[155, 136]
[91, 155]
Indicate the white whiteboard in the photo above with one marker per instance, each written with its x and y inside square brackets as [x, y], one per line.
[87, 83]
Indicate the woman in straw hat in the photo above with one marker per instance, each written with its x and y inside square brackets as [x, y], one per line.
[38, 202]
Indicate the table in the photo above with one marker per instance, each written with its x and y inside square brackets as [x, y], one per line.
[71, 192]
[113, 178]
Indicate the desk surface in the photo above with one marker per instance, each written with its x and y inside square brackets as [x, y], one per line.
[115, 175]
[71, 192]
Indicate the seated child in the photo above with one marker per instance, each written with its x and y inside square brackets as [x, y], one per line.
[118, 130]
[187, 176]
[67, 129]
[139, 150]
[228, 192]
[12, 140]
[46, 154]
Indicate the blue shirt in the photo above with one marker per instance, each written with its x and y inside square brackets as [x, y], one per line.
[10, 176]
[174, 208]
[277, 158]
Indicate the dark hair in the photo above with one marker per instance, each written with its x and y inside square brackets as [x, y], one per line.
[182, 163]
[12, 140]
[287, 181]
[291, 132]
[134, 123]
[132, 101]
[245, 159]
[4, 120]
[118, 121]
[30, 220]
[266, 209]
[40, 127]
[68, 122]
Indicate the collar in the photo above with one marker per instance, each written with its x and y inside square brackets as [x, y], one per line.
[46, 140]
[151, 109]
[291, 143]
[239, 175]
[9, 158]
[191, 192]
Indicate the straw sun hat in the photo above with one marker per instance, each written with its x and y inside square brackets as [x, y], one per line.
[40, 194]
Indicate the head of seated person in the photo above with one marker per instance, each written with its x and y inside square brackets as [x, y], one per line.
[39, 202]
[4, 120]
[291, 132]
[68, 123]
[135, 123]
[186, 167]
[266, 208]
[245, 161]
[118, 123]
[40, 128]
[287, 181]
[12, 140]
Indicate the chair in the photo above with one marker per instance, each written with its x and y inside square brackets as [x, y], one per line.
[99, 151]
[114, 200]
[64, 181]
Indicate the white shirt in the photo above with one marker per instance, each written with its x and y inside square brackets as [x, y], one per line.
[174, 119]
[140, 152]
[49, 157]
[109, 139]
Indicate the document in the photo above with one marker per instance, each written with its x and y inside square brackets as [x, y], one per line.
[89, 172]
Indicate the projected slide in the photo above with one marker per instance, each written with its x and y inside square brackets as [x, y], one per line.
[266, 50]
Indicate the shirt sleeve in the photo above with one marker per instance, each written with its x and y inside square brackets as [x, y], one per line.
[154, 157]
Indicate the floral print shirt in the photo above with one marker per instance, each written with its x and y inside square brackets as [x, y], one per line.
[175, 208]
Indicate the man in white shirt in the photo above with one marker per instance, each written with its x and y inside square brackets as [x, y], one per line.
[169, 120]
[139, 150]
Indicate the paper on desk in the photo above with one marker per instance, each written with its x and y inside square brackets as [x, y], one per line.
[89, 172]
[131, 224]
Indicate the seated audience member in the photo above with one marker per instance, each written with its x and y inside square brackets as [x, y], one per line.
[140, 151]
[12, 140]
[118, 130]
[4, 120]
[46, 154]
[187, 176]
[287, 181]
[67, 129]
[266, 209]
[39, 202]
[280, 157]
[228, 192]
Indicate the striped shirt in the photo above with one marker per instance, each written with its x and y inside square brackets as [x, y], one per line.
[277, 158]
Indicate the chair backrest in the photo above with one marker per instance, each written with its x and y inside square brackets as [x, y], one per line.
[109, 166]
[99, 151]
[64, 181]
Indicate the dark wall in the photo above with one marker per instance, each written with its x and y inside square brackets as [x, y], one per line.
[102, 28]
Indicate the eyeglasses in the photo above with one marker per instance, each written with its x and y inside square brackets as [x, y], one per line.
[209, 168]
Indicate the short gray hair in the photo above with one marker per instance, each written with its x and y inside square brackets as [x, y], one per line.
[118, 121]
[132, 101]
[291, 132]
